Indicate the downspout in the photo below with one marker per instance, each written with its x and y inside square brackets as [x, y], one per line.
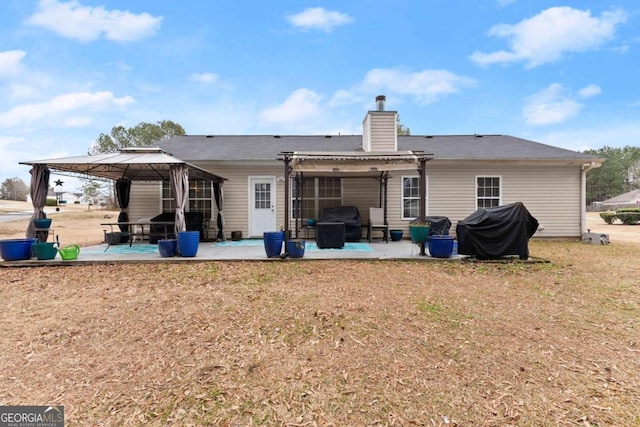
[586, 167]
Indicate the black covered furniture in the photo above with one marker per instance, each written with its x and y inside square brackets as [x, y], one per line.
[497, 232]
[194, 222]
[349, 215]
[330, 235]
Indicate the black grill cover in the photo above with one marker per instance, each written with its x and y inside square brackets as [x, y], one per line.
[497, 232]
[349, 215]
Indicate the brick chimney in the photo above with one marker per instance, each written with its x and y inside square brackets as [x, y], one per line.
[379, 128]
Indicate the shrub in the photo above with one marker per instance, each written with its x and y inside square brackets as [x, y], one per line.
[628, 218]
[52, 202]
[608, 217]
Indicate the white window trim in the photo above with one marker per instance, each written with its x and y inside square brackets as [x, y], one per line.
[315, 195]
[475, 188]
[426, 198]
[187, 209]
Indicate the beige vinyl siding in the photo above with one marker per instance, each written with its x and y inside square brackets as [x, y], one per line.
[366, 133]
[362, 193]
[550, 193]
[145, 200]
[379, 131]
[237, 196]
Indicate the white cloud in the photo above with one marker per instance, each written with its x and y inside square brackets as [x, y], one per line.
[11, 62]
[85, 23]
[589, 91]
[301, 105]
[12, 153]
[59, 107]
[318, 18]
[551, 105]
[6, 141]
[548, 36]
[344, 97]
[204, 77]
[427, 86]
[618, 134]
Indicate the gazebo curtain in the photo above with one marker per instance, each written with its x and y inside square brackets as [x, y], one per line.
[39, 189]
[180, 186]
[123, 191]
[218, 194]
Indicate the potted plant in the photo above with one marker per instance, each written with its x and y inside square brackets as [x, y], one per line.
[419, 230]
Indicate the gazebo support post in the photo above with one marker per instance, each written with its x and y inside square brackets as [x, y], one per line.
[385, 182]
[423, 196]
[287, 199]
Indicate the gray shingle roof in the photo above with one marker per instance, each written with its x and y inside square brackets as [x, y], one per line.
[193, 148]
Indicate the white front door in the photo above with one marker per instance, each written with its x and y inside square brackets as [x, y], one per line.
[263, 205]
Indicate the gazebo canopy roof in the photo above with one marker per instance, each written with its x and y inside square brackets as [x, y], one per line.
[354, 161]
[137, 164]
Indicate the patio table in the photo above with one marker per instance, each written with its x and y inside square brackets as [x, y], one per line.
[144, 229]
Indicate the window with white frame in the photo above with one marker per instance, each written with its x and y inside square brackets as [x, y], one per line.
[200, 198]
[314, 195]
[488, 191]
[410, 197]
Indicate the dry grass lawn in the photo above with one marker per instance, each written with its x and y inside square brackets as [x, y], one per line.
[323, 343]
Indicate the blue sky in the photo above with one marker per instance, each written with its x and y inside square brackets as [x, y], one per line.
[561, 73]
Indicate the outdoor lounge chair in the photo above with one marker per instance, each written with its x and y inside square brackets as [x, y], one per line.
[377, 222]
[138, 230]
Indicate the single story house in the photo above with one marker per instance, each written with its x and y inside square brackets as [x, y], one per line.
[276, 181]
[66, 196]
[630, 199]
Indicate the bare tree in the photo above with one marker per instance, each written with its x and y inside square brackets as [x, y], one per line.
[14, 189]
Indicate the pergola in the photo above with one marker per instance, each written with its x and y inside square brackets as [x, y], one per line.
[354, 163]
[124, 167]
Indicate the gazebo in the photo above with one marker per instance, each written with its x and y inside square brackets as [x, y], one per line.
[375, 164]
[124, 167]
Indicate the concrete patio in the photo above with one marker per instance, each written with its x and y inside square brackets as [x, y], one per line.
[248, 250]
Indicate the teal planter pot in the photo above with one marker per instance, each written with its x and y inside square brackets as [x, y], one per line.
[42, 223]
[396, 235]
[45, 250]
[419, 233]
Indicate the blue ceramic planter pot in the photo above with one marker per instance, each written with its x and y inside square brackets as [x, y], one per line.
[273, 243]
[168, 248]
[16, 249]
[188, 242]
[440, 246]
[295, 248]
